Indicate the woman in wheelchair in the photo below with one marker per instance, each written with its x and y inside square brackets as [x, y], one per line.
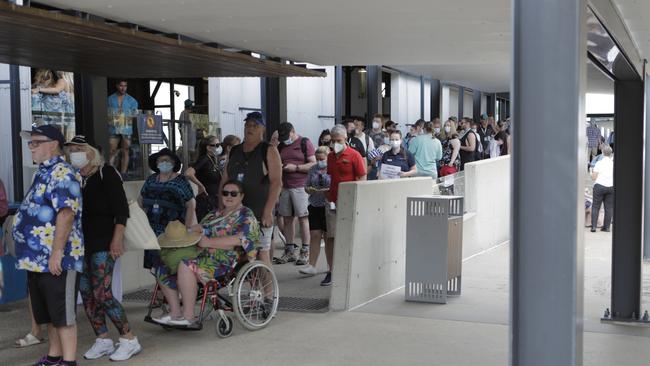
[225, 236]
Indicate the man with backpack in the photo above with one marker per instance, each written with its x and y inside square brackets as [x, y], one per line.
[297, 155]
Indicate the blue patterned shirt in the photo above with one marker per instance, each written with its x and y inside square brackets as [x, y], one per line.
[56, 186]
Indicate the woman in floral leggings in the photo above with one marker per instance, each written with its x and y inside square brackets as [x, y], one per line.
[105, 211]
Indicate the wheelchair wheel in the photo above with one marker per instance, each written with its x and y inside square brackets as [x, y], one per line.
[225, 327]
[255, 295]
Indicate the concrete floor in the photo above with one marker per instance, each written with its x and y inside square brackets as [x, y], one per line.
[469, 330]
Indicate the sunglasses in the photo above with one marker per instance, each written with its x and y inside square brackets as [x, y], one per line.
[37, 143]
[231, 193]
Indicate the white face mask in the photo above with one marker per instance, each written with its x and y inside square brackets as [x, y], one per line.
[447, 129]
[78, 159]
[376, 125]
[436, 130]
[338, 147]
[396, 144]
[218, 150]
[288, 141]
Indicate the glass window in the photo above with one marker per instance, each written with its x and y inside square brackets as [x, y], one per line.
[53, 100]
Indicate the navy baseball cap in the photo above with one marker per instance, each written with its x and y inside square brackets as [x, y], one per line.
[188, 103]
[50, 131]
[257, 117]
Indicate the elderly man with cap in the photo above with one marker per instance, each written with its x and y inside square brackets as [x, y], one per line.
[297, 154]
[257, 165]
[49, 243]
[486, 134]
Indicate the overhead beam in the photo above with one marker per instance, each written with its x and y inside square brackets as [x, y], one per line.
[40, 38]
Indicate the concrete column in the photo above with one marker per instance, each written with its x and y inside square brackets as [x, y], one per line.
[16, 121]
[549, 79]
[629, 103]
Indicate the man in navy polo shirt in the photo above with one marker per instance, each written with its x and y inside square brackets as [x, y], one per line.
[49, 243]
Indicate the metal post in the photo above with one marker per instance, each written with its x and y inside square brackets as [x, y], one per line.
[16, 142]
[546, 301]
[629, 102]
[435, 99]
[373, 90]
[491, 104]
[338, 94]
[461, 105]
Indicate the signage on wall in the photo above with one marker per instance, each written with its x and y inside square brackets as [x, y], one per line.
[150, 128]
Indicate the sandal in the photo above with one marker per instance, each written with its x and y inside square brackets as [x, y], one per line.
[28, 340]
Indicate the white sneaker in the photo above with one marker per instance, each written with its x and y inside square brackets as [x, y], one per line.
[101, 348]
[163, 319]
[181, 322]
[309, 270]
[126, 349]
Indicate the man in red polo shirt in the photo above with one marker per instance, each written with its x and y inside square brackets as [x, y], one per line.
[344, 164]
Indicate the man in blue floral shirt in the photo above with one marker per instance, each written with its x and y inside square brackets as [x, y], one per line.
[49, 243]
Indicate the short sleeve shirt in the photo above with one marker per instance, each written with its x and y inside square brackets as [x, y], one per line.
[293, 154]
[605, 169]
[344, 167]
[403, 159]
[319, 179]
[164, 202]
[56, 186]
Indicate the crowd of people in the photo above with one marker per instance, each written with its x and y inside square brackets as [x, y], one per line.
[69, 231]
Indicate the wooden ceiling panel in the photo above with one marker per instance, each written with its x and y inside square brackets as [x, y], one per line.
[40, 38]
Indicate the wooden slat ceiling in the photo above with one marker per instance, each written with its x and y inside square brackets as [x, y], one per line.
[40, 38]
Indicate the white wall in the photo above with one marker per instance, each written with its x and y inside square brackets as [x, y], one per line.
[405, 99]
[427, 100]
[227, 97]
[483, 103]
[487, 203]
[370, 248]
[468, 104]
[452, 102]
[445, 112]
[369, 251]
[309, 98]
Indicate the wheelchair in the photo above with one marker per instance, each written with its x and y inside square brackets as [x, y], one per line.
[249, 291]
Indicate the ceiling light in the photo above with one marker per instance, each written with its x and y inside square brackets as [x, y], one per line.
[362, 70]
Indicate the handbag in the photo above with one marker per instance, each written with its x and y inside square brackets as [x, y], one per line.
[447, 170]
[138, 234]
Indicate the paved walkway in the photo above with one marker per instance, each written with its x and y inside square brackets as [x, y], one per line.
[470, 330]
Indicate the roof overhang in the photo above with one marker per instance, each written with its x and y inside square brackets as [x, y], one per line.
[40, 38]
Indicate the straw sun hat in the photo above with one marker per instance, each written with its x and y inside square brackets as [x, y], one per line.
[177, 236]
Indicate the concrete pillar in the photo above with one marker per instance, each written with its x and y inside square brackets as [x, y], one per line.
[435, 99]
[549, 80]
[373, 90]
[274, 102]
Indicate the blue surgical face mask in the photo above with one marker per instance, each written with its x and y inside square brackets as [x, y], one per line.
[322, 164]
[165, 167]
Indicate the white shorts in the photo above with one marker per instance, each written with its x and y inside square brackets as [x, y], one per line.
[294, 202]
[266, 234]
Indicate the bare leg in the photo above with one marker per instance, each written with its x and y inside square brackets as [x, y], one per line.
[126, 143]
[68, 342]
[304, 230]
[314, 246]
[55, 349]
[36, 328]
[329, 252]
[289, 233]
[188, 288]
[172, 300]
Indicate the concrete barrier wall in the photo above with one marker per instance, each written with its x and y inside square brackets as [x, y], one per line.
[487, 203]
[369, 252]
